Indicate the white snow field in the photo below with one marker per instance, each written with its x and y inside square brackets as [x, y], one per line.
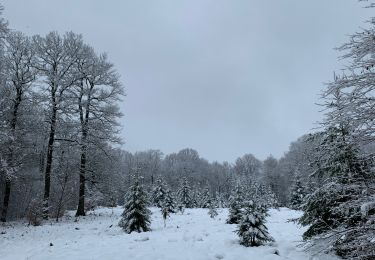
[191, 236]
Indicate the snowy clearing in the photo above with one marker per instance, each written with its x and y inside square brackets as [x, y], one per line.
[191, 236]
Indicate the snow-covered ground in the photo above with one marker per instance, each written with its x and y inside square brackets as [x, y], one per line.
[191, 236]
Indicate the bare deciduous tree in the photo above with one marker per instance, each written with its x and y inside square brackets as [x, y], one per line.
[98, 92]
[20, 75]
[57, 57]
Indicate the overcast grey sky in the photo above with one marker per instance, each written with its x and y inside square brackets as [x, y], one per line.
[222, 77]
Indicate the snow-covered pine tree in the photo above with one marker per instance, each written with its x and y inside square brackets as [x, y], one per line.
[262, 194]
[349, 189]
[220, 200]
[158, 193]
[212, 210]
[251, 229]
[252, 190]
[196, 198]
[297, 193]
[334, 209]
[205, 198]
[169, 202]
[183, 194]
[214, 201]
[235, 206]
[271, 201]
[136, 215]
[345, 173]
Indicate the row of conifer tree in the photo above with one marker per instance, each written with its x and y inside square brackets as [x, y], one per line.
[248, 212]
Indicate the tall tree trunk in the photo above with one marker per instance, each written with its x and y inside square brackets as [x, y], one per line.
[6, 200]
[47, 172]
[8, 180]
[82, 179]
[84, 120]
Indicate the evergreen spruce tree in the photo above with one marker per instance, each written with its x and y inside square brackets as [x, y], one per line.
[205, 199]
[183, 194]
[136, 215]
[345, 173]
[236, 203]
[251, 229]
[214, 201]
[252, 191]
[261, 194]
[196, 199]
[169, 202]
[158, 193]
[272, 201]
[342, 206]
[219, 200]
[346, 176]
[297, 194]
[212, 210]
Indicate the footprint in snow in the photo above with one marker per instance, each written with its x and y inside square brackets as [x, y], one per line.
[274, 251]
[142, 239]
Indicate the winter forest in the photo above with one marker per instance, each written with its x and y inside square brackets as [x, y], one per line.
[70, 188]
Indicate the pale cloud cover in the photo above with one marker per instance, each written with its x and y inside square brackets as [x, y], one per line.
[223, 77]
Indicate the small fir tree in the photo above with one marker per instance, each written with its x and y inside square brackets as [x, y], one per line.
[158, 193]
[205, 199]
[169, 202]
[251, 229]
[271, 201]
[220, 200]
[297, 194]
[183, 193]
[235, 206]
[136, 215]
[196, 199]
[212, 210]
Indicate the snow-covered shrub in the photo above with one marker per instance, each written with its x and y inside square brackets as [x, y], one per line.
[368, 208]
[35, 212]
[93, 200]
[212, 211]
